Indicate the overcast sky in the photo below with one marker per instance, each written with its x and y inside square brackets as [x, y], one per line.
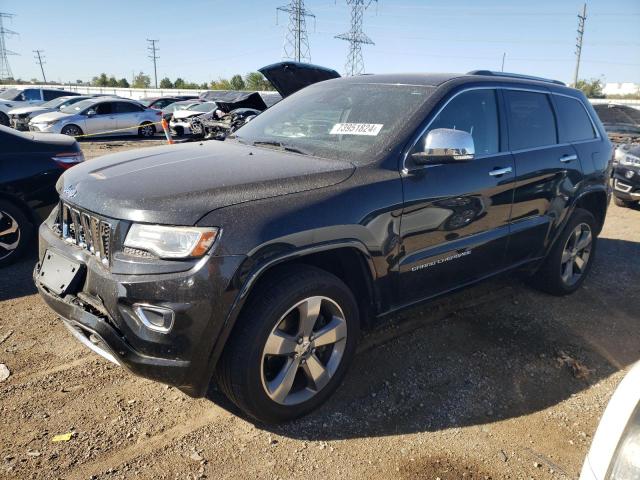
[202, 40]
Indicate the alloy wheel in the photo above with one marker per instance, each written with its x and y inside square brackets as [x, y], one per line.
[576, 253]
[146, 130]
[9, 235]
[303, 351]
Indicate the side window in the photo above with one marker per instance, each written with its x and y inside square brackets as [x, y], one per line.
[573, 121]
[104, 108]
[475, 112]
[125, 107]
[531, 120]
[32, 94]
[51, 94]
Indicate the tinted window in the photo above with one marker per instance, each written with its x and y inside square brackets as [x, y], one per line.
[104, 108]
[125, 107]
[32, 94]
[51, 94]
[475, 112]
[574, 123]
[531, 120]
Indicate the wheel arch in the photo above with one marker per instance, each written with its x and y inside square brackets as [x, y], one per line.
[594, 201]
[71, 124]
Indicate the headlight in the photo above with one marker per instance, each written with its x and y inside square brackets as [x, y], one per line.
[171, 242]
[626, 461]
[630, 160]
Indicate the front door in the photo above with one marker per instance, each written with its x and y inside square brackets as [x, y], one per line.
[104, 119]
[455, 222]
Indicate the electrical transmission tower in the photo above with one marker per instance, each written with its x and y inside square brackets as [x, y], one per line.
[40, 60]
[153, 49]
[581, 20]
[5, 68]
[356, 37]
[296, 43]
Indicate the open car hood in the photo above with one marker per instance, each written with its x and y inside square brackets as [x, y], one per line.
[289, 77]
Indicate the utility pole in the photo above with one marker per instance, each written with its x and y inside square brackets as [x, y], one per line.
[39, 59]
[5, 68]
[503, 57]
[153, 49]
[356, 37]
[296, 42]
[581, 20]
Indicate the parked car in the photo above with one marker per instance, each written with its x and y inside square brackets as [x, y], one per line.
[626, 176]
[100, 116]
[615, 450]
[19, 118]
[167, 112]
[255, 262]
[24, 97]
[158, 102]
[179, 123]
[30, 165]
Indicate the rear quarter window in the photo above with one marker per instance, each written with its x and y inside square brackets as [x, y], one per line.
[574, 123]
[531, 120]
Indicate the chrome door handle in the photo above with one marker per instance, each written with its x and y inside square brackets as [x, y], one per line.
[500, 171]
[568, 158]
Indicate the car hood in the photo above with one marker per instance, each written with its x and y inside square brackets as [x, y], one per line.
[179, 184]
[289, 77]
[23, 110]
[51, 116]
[185, 114]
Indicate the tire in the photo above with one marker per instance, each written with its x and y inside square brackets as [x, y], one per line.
[4, 119]
[255, 380]
[146, 130]
[569, 262]
[622, 203]
[16, 233]
[71, 130]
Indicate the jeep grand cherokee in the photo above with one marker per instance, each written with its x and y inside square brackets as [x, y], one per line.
[255, 262]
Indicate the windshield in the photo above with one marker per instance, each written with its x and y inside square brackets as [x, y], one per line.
[337, 120]
[78, 107]
[203, 107]
[10, 94]
[57, 102]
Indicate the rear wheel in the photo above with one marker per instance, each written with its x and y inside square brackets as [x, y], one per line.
[15, 233]
[292, 345]
[71, 130]
[569, 262]
[622, 203]
[146, 130]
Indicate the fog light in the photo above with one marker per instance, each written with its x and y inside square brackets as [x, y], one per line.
[629, 174]
[158, 319]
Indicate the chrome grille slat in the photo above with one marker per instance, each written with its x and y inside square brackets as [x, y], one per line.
[85, 230]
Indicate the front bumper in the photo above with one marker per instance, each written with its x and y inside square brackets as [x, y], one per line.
[100, 313]
[626, 183]
[19, 123]
[43, 128]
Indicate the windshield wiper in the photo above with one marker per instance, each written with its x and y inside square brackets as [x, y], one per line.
[270, 143]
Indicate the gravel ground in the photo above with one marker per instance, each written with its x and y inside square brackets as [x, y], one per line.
[498, 381]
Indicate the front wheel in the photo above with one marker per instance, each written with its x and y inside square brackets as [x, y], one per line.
[146, 130]
[71, 130]
[569, 261]
[292, 345]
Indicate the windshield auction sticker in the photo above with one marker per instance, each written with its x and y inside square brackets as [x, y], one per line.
[372, 129]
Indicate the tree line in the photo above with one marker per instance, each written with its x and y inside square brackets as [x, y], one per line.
[250, 81]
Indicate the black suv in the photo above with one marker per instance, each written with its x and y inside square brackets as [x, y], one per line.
[255, 262]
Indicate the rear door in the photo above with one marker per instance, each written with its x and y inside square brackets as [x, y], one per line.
[455, 223]
[129, 116]
[547, 172]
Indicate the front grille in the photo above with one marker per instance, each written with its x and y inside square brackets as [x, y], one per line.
[85, 230]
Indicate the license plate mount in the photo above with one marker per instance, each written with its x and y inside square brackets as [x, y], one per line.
[59, 273]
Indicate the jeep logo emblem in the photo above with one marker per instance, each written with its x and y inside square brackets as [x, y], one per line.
[70, 191]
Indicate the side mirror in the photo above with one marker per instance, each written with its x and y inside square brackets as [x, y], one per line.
[90, 113]
[445, 145]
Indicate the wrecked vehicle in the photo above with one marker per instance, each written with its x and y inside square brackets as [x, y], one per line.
[180, 122]
[626, 176]
[256, 262]
[237, 108]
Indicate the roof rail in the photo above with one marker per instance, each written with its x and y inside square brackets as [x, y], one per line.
[491, 73]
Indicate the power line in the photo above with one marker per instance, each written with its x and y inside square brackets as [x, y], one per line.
[153, 49]
[356, 37]
[581, 20]
[5, 68]
[296, 43]
[40, 59]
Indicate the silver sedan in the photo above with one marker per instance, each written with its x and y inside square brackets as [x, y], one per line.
[100, 117]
